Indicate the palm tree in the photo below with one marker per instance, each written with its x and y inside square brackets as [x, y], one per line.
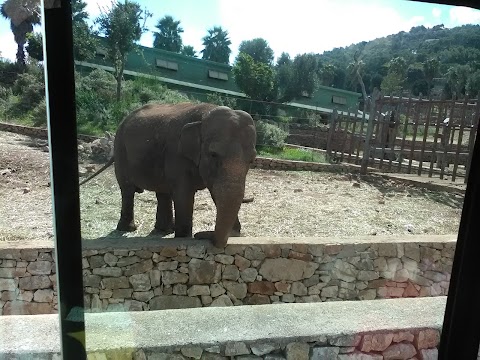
[217, 45]
[168, 38]
[355, 68]
[23, 14]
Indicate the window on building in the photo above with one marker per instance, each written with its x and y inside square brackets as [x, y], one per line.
[217, 75]
[339, 100]
[167, 64]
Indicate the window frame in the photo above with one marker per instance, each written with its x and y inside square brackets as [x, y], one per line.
[166, 64]
[460, 333]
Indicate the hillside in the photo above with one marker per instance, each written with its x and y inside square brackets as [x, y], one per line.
[457, 51]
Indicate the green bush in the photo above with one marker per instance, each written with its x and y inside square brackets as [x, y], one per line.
[220, 100]
[30, 89]
[270, 135]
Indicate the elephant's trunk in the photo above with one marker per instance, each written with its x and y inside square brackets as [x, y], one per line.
[228, 198]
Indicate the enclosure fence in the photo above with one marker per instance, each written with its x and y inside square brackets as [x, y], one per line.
[408, 135]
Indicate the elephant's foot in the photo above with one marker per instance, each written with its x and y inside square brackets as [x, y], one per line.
[210, 235]
[205, 235]
[165, 227]
[183, 232]
[163, 231]
[126, 226]
[235, 233]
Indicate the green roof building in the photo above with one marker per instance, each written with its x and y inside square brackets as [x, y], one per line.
[197, 77]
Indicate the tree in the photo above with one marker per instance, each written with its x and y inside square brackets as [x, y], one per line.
[283, 59]
[473, 84]
[457, 77]
[254, 78]
[122, 28]
[398, 65]
[327, 74]
[35, 46]
[216, 45]
[23, 14]
[285, 76]
[306, 76]
[168, 37]
[84, 40]
[393, 82]
[430, 68]
[355, 69]
[188, 50]
[258, 49]
[84, 37]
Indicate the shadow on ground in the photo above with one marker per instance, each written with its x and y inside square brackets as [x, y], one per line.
[390, 187]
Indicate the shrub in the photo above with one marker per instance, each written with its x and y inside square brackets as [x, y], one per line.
[215, 98]
[270, 135]
[30, 89]
[39, 114]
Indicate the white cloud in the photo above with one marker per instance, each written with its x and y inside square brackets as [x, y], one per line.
[311, 26]
[8, 47]
[94, 7]
[463, 15]
[436, 12]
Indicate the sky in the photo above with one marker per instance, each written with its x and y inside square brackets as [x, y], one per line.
[295, 27]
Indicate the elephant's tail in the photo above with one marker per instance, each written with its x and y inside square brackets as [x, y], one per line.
[109, 162]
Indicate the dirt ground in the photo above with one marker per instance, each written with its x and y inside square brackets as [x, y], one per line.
[296, 204]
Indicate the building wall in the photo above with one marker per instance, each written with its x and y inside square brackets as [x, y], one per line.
[192, 74]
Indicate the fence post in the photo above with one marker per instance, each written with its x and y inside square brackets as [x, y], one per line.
[368, 135]
[331, 131]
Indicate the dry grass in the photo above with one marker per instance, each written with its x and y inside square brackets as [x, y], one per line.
[293, 204]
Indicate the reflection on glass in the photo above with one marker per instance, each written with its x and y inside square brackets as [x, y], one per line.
[354, 197]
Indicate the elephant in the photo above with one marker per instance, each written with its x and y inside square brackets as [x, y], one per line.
[176, 150]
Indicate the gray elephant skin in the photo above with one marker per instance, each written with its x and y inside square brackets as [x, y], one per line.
[176, 150]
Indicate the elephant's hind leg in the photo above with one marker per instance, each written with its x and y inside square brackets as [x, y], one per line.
[126, 222]
[164, 222]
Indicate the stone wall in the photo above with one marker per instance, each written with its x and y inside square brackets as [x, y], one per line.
[419, 344]
[27, 280]
[151, 274]
[41, 133]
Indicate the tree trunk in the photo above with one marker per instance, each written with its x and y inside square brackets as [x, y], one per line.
[364, 92]
[119, 79]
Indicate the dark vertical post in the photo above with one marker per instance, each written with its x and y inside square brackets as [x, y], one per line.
[368, 136]
[60, 95]
[460, 336]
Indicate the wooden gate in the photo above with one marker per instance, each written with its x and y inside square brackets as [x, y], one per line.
[408, 135]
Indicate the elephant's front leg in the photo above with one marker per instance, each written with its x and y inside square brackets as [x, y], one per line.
[164, 220]
[183, 199]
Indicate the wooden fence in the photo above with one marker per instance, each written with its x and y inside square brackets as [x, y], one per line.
[408, 135]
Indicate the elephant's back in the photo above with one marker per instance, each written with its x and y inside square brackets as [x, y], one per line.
[150, 134]
[166, 114]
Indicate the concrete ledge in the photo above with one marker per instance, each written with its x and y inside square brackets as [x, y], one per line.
[170, 331]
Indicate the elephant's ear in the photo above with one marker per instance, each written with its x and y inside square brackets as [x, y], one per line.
[190, 141]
